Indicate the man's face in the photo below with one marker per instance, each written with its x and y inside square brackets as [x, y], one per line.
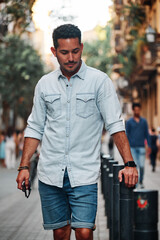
[136, 111]
[68, 54]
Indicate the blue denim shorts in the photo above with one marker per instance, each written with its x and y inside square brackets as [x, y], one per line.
[63, 206]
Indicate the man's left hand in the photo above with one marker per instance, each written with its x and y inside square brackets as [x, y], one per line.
[130, 176]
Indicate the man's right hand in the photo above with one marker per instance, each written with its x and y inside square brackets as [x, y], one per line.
[23, 175]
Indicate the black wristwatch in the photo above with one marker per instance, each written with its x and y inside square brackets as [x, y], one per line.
[130, 164]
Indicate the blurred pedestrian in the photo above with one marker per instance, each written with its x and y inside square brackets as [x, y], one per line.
[158, 129]
[2, 149]
[33, 165]
[111, 146]
[20, 142]
[154, 148]
[10, 148]
[70, 108]
[137, 133]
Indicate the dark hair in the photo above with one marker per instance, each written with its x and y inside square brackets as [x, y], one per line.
[136, 105]
[10, 131]
[66, 31]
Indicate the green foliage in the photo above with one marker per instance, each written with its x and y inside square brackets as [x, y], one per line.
[21, 68]
[130, 57]
[18, 13]
[134, 14]
[98, 53]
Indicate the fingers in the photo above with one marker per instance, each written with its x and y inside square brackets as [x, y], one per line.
[120, 174]
[27, 183]
[22, 176]
[130, 176]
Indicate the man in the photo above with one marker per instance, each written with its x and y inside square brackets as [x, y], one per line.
[70, 108]
[137, 133]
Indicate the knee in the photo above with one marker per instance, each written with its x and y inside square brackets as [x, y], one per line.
[84, 234]
[62, 233]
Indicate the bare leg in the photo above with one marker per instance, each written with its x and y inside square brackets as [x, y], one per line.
[62, 233]
[84, 234]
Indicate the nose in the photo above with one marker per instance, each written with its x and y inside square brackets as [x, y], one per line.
[70, 57]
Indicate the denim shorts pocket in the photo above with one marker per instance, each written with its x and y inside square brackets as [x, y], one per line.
[85, 104]
[53, 103]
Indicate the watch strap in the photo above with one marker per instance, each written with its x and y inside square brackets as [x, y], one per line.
[130, 164]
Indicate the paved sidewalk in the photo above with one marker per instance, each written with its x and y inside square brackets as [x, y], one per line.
[20, 218]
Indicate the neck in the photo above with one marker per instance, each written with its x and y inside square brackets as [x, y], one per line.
[137, 118]
[70, 74]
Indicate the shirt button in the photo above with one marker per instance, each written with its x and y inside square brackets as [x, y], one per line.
[68, 101]
[67, 135]
[62, 169]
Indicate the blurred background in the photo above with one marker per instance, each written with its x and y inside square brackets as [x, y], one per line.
[121, 38]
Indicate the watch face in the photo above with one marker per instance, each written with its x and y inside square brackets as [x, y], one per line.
[130, 164]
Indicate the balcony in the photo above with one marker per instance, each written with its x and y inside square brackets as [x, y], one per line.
[147, 2]
[118, 6]
[147, 65]
[118, 2]
[117, 26]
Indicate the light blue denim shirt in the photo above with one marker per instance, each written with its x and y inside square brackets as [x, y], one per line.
[68, 117]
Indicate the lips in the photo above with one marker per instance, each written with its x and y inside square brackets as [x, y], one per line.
[70, 64]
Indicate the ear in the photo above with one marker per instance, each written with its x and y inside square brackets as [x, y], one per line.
[53, 50]
[81, 46]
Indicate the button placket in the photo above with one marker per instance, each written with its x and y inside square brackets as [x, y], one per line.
[68, 91]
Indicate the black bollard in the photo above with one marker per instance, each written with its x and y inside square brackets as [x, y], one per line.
[108, 189]
[104, 160]
[110, 197]
[106, 183]
[126, 212]
[145, 214]
[116, 202]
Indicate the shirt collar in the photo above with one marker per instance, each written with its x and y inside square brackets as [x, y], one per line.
[80, 73]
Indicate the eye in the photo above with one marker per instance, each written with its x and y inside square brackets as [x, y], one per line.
[64, 52]
[76, 51]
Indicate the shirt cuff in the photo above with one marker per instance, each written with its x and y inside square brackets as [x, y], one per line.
[116, 127]
[32, 133]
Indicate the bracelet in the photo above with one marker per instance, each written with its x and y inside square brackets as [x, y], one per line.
[22, 168]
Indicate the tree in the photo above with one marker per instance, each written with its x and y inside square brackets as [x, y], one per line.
[21, 68]
[135, 16]
[15, 12]
[98, 52]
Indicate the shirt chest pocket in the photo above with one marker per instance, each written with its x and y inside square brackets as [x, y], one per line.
[85, 104]
[53, 103]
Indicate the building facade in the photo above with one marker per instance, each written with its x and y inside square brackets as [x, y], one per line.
[144, 79]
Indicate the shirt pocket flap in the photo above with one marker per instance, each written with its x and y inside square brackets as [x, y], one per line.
[52, 98]
[85, 97]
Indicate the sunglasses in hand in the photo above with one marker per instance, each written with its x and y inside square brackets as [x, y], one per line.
[25, 190]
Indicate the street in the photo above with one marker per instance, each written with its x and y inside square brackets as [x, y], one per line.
[20, 218]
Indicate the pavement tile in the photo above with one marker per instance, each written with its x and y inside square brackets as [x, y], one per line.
[21, 219]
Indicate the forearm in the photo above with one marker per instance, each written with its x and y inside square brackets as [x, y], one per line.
[29, 148]
[122, 144]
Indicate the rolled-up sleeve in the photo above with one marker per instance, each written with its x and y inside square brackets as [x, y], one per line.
[37, 118]
[110, 108]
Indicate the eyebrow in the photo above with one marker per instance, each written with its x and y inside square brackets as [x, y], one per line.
[67, 50]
